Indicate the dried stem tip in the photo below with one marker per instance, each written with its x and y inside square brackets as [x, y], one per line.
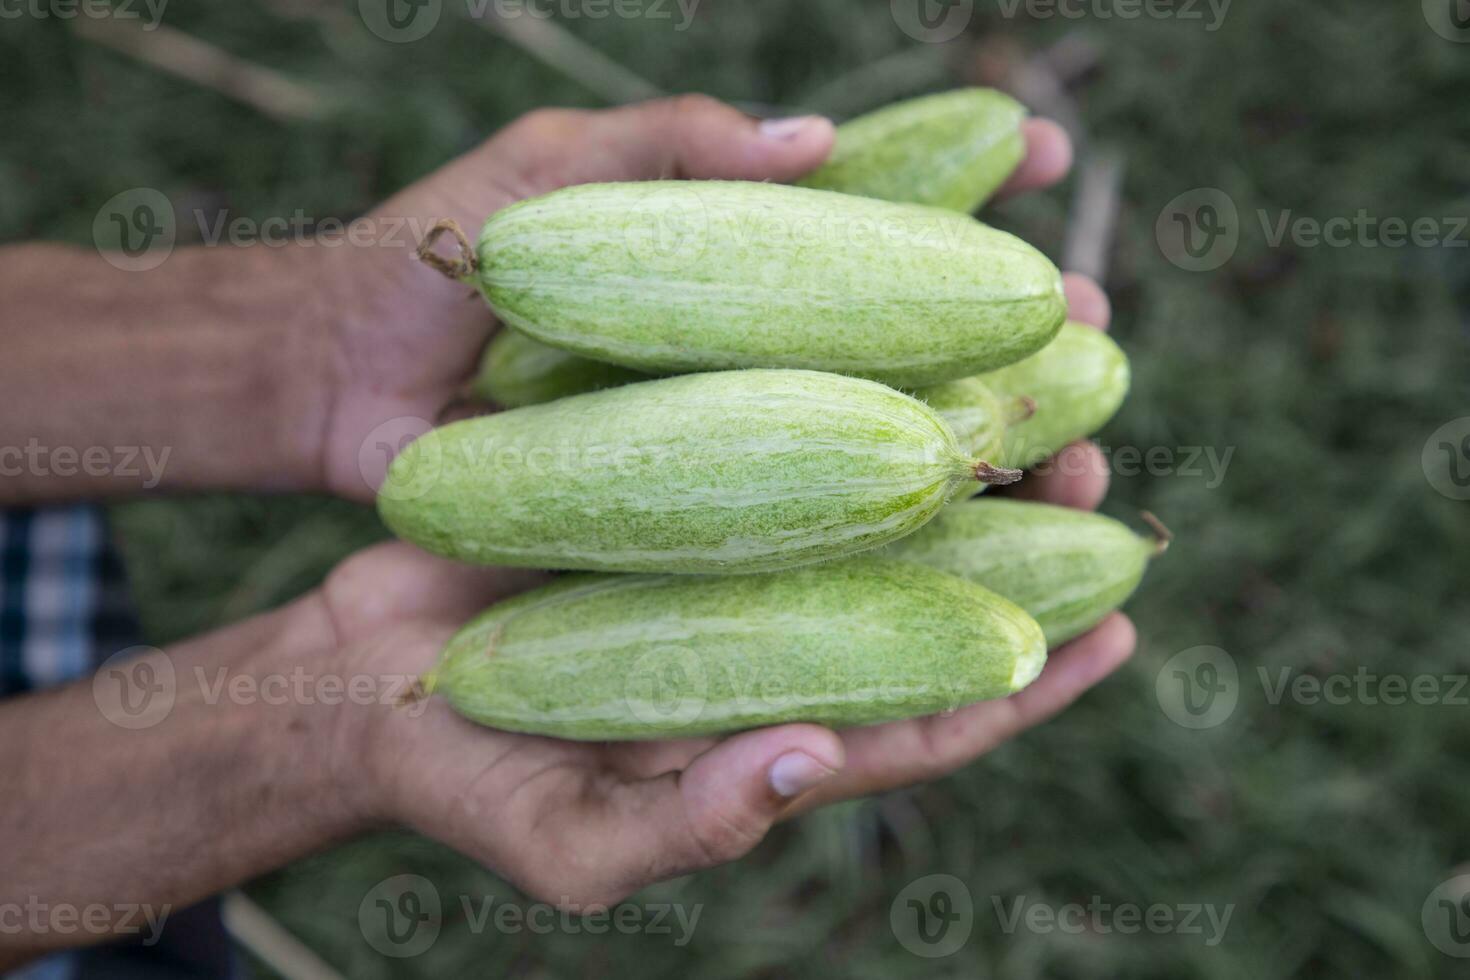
[1024, 408]
[459, 268]
[996, 476]
[1162, 535]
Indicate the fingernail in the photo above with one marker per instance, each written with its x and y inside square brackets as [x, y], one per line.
[789, 128]
[795, 773]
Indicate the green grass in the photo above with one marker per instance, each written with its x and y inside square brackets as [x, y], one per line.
[1324, 549]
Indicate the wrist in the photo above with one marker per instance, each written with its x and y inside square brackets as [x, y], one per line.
[312, 717]
[305, 362]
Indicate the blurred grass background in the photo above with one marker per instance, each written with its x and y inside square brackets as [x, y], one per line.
[1323, 550]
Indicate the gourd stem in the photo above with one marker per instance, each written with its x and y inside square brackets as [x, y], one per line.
[1023, 409]
[460, 268]
[1162, 535]
[419, 689]
[996, 476]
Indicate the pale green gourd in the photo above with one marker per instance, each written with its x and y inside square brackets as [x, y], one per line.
[737, 471]
[1067, 568]
[675, 276]
[1077, 382]
[950, 150]
[854, 642]
[516, 371]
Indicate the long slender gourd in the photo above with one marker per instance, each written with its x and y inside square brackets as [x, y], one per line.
[854, 642]
[950, 150]
[738, 471]
[676, 276]
[1067, 568]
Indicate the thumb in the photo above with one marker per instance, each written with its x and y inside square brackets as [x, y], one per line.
[697, 137]
[722, 804]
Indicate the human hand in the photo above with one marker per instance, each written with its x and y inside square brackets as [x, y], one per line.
[405, 342]
[588, 823]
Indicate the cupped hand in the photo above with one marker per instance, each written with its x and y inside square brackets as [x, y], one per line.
[585, 823]
[404, 341]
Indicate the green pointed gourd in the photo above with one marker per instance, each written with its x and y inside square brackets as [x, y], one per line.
[854, 642]
[1077, 383]
[676, 276]
[516, 371]
[1067, 568]
[735, 471]
[951, 150]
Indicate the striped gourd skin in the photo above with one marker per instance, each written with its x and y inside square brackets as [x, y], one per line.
[516, 371]
[738, 471]
[1067, 568]
[676, 276]
[951, 150]
[854, 642]
[1078, 382]
[975, 413]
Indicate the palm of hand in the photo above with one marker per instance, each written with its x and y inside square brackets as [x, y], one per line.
[591, 822]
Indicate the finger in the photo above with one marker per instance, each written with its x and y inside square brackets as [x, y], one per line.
[1075, 477]
[694, 136]
[888, 756]
[395, 581]
[718, 808]
[1048, 158]
[1086, 301]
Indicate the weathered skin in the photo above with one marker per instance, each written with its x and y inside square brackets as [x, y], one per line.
[516, 371]
[1078, 382]
[1067, 568]
[675, 276]
[951, 150]
[737, 471]
[854, 642]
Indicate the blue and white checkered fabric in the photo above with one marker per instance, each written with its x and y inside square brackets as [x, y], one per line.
[64, 609]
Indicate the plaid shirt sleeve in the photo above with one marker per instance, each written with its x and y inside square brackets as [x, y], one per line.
[64, 609]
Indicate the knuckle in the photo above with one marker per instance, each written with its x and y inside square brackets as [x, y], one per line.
[691, 105]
